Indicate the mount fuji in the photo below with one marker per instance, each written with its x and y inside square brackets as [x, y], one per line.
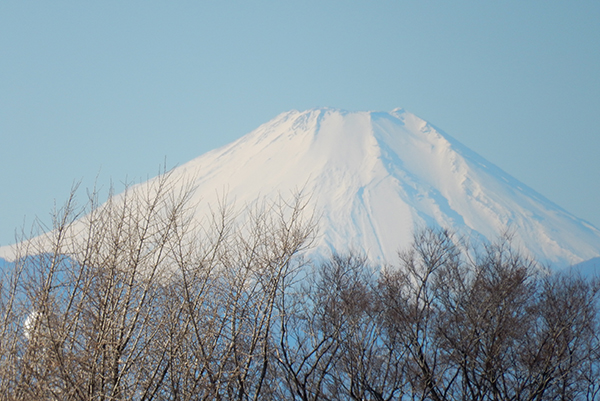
[375, 177]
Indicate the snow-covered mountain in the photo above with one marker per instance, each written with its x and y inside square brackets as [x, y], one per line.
[375, 177]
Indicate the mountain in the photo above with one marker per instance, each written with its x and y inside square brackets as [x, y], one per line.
[375, 177]
[588, 268]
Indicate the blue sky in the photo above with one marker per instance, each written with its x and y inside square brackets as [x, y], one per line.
[109, 90]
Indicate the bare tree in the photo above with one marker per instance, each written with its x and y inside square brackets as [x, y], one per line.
[229, 302]
[490, 324]
[131, 301]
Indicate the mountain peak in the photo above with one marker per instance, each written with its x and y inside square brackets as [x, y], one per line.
[375, 177]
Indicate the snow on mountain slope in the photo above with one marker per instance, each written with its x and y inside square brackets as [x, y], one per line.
[376, 177]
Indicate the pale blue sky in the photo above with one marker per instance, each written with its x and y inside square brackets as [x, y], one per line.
[111, 88]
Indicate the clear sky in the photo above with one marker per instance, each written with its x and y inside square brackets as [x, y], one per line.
[107, 90]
